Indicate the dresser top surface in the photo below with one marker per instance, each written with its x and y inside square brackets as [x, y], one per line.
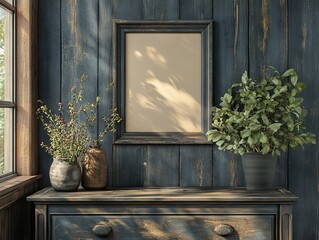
[164, 195]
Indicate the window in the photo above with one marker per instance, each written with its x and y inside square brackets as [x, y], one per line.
[7, 96]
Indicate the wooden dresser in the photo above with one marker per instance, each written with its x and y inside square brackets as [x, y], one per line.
[164, 213]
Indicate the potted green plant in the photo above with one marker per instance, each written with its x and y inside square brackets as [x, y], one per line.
[259, 120]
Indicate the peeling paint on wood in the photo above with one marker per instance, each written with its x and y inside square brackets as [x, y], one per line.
[75, 33]
[265, 25]
[304, 36]
[236, 25]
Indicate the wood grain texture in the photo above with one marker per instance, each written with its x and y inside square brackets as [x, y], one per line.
[160, 195]
[127, 160]
[196, 9]
[164, 227]
[191, 163]
[49, 71]
[27, 87]
[159, 163]
[128, 166]
[268, 35]
[161, 9]
[196, 166]
[16, 215]
[161, 213]
[105, 76]
[79, 27]
[304, 163]
[161, 166]
[245, 37]
[123, 9]
[230, 61]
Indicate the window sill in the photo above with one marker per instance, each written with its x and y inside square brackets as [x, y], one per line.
[14, 188]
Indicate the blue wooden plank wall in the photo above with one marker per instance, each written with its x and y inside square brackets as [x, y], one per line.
[75, 38]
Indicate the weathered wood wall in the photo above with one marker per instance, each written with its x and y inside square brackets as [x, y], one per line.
[75, 38]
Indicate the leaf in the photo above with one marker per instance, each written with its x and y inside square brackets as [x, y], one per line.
[294, 80]
[219, 143]
[265, 119]
[289, 72]
[283, 89]
[275, 126]
[227, 98]
[265, 149]
[263, 138]
[246, 133]
[244, 78]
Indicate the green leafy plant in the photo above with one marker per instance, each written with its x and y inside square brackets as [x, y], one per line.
[261, 116]
[69, 129]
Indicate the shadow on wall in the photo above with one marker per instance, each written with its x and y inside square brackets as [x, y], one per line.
[163, 82]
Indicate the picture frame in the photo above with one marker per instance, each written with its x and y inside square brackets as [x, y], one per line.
[163, 76]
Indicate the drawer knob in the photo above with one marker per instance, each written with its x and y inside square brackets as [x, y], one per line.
[224, 230]
[101, 230]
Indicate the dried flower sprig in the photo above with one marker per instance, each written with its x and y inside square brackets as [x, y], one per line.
[69, 129]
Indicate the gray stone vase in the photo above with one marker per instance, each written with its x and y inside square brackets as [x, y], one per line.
[259, 171]
[65, 176]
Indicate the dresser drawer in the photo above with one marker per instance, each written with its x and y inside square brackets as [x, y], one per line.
[130, 227]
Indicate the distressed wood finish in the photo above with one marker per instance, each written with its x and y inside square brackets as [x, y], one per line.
[105, 80]
[156, 162]
[26, 89]
[128, 166]
[161, 9]
[79, 28]
[268, 46]
[196, 166]
[304, 164]
[160, 162]
[164, 227]
[159, 213]
[248, 35]
[16, 215]
[196, 9]
[231, 60]
[49, 71]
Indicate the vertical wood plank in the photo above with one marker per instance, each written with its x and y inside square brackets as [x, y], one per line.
[4, 224]
[127, 160]
[304, 163]
[190, 163]
[49, 71]
[156, 156]
[26, 87]
[268, 46]
[162, 162]
[196, 166]
[268, 36]
[196, 9]
[79, 48]
[162, 166]
[123, 9]
[105, 80]
[128, 165]
[160, 9]
[230, 61]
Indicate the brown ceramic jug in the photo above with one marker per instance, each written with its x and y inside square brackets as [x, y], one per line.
[94, 172]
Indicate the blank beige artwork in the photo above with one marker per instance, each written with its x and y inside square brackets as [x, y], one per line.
[163, 82]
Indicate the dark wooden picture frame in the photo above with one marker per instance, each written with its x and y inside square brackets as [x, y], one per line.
[120, 30]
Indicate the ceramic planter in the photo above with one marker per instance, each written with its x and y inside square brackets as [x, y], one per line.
[65, 176]
[94, 171]
[259, 171]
